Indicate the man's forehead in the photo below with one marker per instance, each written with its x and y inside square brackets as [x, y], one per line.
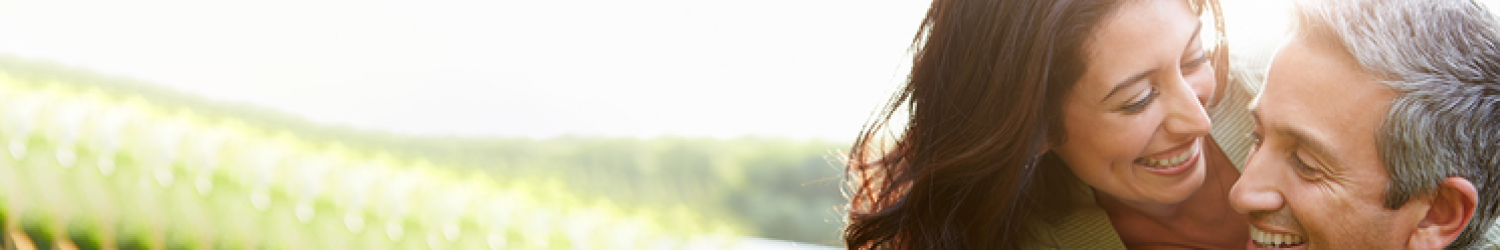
[1292, 80]
[1319, 76]
[1318, 94]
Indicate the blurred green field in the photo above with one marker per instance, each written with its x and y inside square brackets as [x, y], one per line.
[106, 162]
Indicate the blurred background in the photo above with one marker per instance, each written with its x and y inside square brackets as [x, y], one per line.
[460, 124]
[583, 124]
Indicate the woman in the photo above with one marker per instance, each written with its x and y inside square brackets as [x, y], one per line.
[1064, 123]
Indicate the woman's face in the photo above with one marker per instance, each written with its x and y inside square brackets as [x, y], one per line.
[1135, 121]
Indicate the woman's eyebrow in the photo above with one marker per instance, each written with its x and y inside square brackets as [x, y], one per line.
[1138, 76]
[1127, 83]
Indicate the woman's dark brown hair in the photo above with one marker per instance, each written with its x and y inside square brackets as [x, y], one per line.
[985, 97]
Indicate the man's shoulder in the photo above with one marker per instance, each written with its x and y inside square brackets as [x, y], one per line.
[1491, 239]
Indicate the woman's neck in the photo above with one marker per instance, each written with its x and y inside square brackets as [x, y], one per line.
[1156, 211]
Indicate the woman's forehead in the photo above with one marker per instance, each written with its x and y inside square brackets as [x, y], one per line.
[1138, 37]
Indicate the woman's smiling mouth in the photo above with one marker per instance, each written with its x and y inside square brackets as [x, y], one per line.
[1169, 161]
[1173, 161]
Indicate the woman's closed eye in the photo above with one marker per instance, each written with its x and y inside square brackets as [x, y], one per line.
[1138, 104]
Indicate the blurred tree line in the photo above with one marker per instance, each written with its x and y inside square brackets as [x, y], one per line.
[775, 188]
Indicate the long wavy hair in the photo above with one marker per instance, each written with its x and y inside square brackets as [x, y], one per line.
[971, 170]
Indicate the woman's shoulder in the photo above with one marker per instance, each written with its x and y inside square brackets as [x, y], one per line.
[1086, 226]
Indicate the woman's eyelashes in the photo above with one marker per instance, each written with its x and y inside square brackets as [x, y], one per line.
[1139, 104]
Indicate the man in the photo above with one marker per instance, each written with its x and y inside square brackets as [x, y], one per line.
[1377, 128]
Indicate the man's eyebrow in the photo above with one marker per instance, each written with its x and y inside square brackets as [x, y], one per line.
[1142, 75]
[1298, 134]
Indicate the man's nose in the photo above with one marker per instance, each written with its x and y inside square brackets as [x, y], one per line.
[1256, 189]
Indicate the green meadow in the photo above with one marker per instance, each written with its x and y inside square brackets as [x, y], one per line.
[98, 161]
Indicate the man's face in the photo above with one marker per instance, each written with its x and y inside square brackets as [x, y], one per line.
[1314, 178]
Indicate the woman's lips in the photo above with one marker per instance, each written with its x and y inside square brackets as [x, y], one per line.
[1176, 164]
[1170, 160]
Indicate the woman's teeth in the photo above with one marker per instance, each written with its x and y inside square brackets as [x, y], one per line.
[1274, 240]
[1162, 163]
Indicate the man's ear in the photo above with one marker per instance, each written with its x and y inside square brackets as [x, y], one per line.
[1451, 208]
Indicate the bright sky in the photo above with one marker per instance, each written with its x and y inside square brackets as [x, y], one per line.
[790, 68]
[800, 69]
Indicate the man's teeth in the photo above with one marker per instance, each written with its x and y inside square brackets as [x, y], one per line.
[1161, 163]
[1263, 239]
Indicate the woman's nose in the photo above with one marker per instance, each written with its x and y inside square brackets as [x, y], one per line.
[1187, 115]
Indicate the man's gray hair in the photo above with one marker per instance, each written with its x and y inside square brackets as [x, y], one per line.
[1442, 58]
